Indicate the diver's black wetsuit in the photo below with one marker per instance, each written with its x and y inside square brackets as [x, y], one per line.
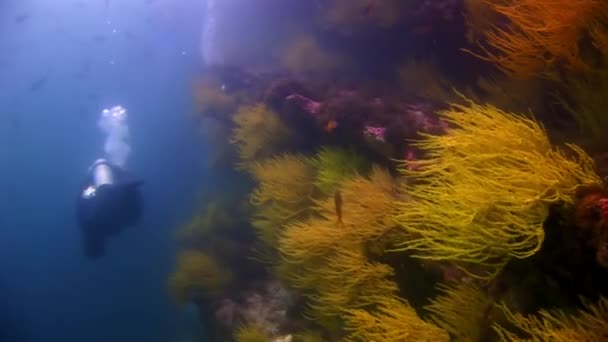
[108, 211]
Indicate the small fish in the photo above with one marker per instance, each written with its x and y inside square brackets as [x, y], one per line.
[14, 121]
[128, 35]
[369, 7]
[338, 205]
[421, 30]
[21, 18]
[39, 83]
[330, 126]
[98, 38]
[83, 71]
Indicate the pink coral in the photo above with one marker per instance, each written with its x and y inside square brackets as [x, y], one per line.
[377, 133]
[306, 104]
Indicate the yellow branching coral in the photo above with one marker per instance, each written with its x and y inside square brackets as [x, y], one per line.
[286, 179]
[329, 257]
[460, 311]
[482, 193]
[367, 208]
[197, 276]
[589, 325]
[284, 192]
[540, 34]
[347, 279]
[250, 333]
[334, 165]
[258, 134]
[394, 320]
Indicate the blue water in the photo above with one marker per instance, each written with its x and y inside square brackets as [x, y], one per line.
[61, 63]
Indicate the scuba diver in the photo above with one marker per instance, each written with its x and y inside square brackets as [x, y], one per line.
[109, 199]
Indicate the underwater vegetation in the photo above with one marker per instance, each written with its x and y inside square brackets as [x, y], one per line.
[444, 182]
[460, 310]
[250, 333]
[494, 174]
[258, 132]
[280, 196]
[305, 55]
[588, 104]
[556, 325]
[197, 276]
[536, 36]
[393, 320]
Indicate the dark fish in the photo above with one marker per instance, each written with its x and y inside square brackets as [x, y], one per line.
[39, 83]
[338, 205]
[369, 7]
[14, 121]
[128, 35]
[99, 38]
[21, 18]
[84, 70]
[92, 97]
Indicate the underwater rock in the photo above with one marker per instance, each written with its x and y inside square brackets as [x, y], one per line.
[591, 215]
[286, 338]
[265, 308]
[355, 115]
